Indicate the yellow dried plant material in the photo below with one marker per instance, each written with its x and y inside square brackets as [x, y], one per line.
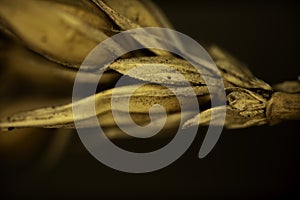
[233, 120]
[142, 12]
[125, 23]
[288, 86]
[245, 108]
[282, 107]
[155, 74]
[235, 72]
[140, 102]
[69, 30]
[64, 31]
[37, 69]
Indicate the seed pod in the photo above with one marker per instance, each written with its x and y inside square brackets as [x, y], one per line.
[154, 65]
[140, 103]
[43, 73]
[245, 108]
[142, 100]
[125, 23]
[64, 31]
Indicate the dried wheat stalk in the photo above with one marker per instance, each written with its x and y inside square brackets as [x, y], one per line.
[54, 49]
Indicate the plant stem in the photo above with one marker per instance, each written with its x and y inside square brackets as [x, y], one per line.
[283, 106]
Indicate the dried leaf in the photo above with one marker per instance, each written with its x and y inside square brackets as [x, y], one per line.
[140, 103]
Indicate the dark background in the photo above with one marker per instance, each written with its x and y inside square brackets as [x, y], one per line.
[258, 162]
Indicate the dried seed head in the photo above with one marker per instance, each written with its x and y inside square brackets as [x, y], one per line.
[66, 31]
